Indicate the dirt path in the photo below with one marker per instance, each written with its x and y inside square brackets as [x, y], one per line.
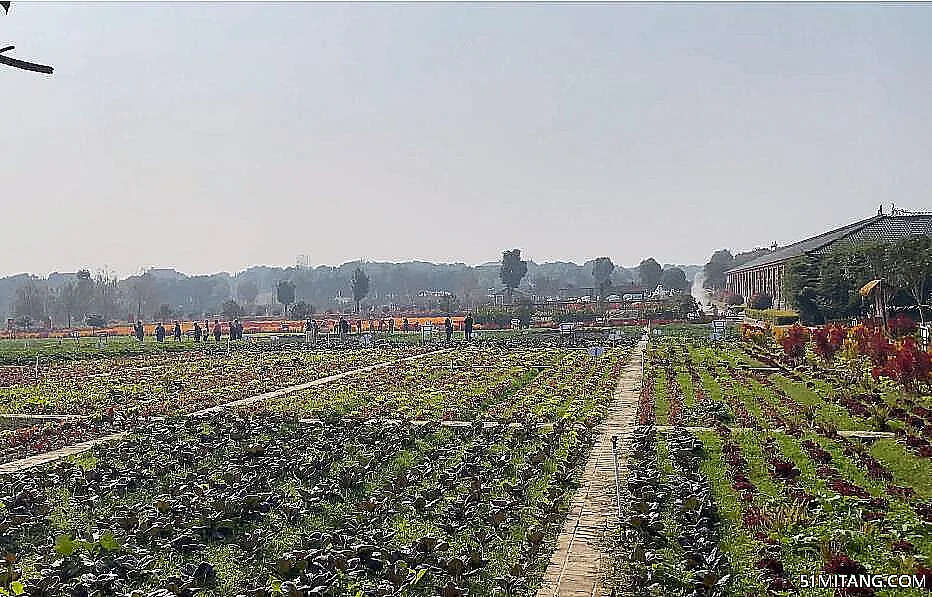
[577, 563]
[317, 382]
[46, 457]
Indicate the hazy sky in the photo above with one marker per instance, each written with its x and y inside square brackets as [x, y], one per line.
[214, 136]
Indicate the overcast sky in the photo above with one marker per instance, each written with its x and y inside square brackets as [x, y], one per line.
[215, 136]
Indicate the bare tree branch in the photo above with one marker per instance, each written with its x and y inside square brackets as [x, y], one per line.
[22, 64]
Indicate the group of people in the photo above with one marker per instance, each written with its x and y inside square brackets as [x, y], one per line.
[236, 331]
[159, 332]
[343, 327]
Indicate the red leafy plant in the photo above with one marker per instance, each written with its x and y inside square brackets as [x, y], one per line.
[794, 342]
[827, 341]
[906, 363]
[901, 326]
[845, 566]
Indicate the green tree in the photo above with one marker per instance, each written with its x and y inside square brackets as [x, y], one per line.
[602, 269]
[720, 262]
[164, 312]
[824, 287]
[545, 285]
[67, 301]
[232, 309]
[105, 295]
[912, 268]
[301, 310]
[247, 291]
[284, 293]
[524, 313]
[84, 292]
[760, 300]
[360, 286]
[512, 271]
[800, 277]
[141, 291]
[674, 278]
[649, 273]
[683, 305]
[29, 303]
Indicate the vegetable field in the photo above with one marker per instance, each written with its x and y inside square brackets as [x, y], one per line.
[101, 397]
[751, 475]
[457, 471]
[449, 474]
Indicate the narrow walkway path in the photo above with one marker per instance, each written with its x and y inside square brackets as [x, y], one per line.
[46, 457]
[581, 553]
[317, 382]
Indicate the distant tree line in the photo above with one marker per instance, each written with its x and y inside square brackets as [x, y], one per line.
[69, 299]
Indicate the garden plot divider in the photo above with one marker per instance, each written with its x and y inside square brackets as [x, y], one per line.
[583, 552]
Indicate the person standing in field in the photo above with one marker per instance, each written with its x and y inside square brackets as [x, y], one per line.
[177, 331]
[218, 331]
[206, 330]
[159, 332]
[344, 328]
[467, 326]
[405, 326]
[197, 332]
[448, 327]
[139, 330]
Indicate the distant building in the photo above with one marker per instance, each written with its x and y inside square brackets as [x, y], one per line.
[766, 274]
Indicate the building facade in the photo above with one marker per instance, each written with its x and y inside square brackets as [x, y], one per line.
[766, 273]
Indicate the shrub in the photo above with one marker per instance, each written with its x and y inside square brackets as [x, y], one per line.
[232, 309]
[756, 334]
[760, 300]
[95, 321]
[301, 310]
[773, 316]
[732, 299]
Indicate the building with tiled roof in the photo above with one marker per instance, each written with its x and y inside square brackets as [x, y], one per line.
[766, 273]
